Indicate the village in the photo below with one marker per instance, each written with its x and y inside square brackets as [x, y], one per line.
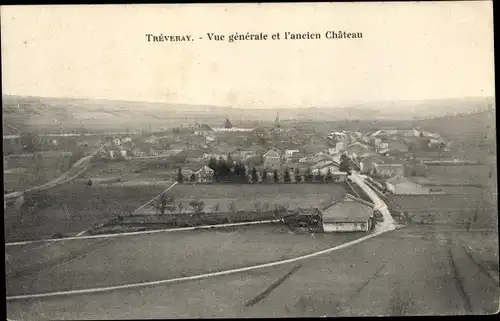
[393, 155]
[344, 167]
[392, 161]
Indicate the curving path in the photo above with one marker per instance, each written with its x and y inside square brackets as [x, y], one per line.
[80, 166]
[389, 223]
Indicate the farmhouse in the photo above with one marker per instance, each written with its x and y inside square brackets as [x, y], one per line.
[356, 149]
[388, 169]
[402, 185]
[380, 133]
[246, 154]
[204, 174]
[382, 145]
[349, 214]
[271, 159]
[324, 167]
[290, 152]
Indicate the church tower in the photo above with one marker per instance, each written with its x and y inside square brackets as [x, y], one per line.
[277, 121]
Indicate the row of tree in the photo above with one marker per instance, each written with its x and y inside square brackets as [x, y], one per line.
[228, 171]
[277, 177]
[167, 203]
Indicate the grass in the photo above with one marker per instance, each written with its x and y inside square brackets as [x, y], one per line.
[71, 208]
[460, 174]
[484, 248]
[168, 255]
[246, 196]
[131, 169]
[24, 172]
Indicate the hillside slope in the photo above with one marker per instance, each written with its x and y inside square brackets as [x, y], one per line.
[474, 133]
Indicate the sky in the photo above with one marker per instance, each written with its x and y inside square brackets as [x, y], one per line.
[409, 51]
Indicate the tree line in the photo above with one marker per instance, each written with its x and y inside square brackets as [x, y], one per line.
[235, 172]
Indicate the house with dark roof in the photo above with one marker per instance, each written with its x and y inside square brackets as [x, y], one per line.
[349, 214]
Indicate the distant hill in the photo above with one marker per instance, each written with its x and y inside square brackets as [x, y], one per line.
[475, 133]
[55, 114]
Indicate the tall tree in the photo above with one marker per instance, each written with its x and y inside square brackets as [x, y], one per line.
[180, 177]
[212, 163]
[255, 177]
[345, 164]
[243, 173]
[264, 176]
[309, 175]
[298, 177]
[180, 206]
[164, 203]
[223, 170]
[276, 176]
[329, 176]
[318, 177]
[197, 206]
[286, 176]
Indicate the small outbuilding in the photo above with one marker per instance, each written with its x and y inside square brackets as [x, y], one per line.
[349, 214]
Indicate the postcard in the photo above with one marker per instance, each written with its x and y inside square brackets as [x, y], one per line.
[249, 160]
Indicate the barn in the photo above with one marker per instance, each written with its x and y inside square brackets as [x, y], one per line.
[349, 214]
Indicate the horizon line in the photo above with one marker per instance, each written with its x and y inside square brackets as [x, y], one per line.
[255, 107]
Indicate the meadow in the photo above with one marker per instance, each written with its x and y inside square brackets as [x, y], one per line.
[71, 208]
[245, 197]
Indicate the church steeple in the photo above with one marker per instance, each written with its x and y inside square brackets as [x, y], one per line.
[227, 123]
[277, 121]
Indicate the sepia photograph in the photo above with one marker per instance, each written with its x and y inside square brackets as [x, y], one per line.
[257, 160]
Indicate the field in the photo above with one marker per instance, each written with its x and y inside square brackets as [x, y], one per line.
[25, 170]
[460, 174]
[131, 169]
[455, 209]
[72, 208]
[155, 257]
[483, 248]
[246, 196]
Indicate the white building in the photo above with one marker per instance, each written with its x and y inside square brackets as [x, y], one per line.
[210, 139]
[349, 214]
[233, 129]
[290, 152]
[404, 186]
[324, 166]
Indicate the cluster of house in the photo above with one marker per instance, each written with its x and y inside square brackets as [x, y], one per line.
[384, 153]
[118, 147]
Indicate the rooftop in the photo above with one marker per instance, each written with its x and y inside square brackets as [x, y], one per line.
[348, 209]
